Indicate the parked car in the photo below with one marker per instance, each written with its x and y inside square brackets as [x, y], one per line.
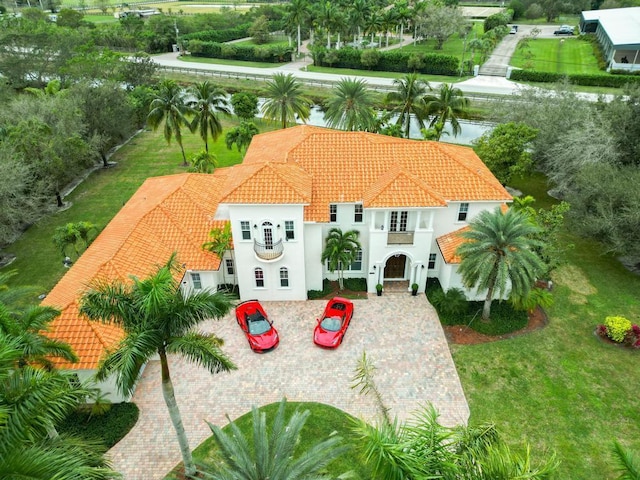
[329, 331]
[513, 30]
[257, 327]
[564, 30]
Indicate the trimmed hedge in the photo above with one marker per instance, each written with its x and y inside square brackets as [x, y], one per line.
[389, 61]
[219, 36]
[249, 53]
[614, 81]
[108, 429]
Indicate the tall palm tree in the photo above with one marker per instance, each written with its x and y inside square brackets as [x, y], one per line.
[169, 107]
[340, 251]
[409, 94]
[297, 14]
[27, 327]
[221, 242]
[448, 105]
[158, 318]
[270, 453]
[207, 102]
[389, 20]
[327, 15]
[285, 100]
[32, 402]
[374, 24]
[359, 11]
[351, 106]
[498, 252]
[241, 136]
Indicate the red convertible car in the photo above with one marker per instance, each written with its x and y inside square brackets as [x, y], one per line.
[330, 330]
[256, 326]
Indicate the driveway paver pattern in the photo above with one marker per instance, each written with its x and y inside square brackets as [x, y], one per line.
[400, 333]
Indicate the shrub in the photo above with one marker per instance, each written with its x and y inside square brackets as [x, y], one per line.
[356, 284]
[614, 81]
[497, 19]
[451, 303]
[617, 328]
[108, 429]
[315, 294]
[534, 11]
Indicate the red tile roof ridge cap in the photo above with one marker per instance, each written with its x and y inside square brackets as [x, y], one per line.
[492, 182]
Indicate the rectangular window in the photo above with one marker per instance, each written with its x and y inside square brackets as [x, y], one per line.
[357, 263]
[463, 210]
[398, 221]
[245, 227]
[197, 283]
[259, 275]
[359, 212]
[432, 261]
[289, 232]
[284, 277]
[333, 213]
[229, 264]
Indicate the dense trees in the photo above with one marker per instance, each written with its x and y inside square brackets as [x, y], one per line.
[158, 318]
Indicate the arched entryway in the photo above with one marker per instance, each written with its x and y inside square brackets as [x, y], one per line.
[395, 267]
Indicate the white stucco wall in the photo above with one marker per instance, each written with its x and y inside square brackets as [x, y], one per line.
[107, 387]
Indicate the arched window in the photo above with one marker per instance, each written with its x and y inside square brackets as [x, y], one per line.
[259, 276]
[284, 277]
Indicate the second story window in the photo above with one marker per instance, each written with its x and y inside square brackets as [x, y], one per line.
[359, 213]
[432, 261]
[289, 232]
[245, 228]
[463, 211]
[197, 282]
[398, 221]
[333, 213]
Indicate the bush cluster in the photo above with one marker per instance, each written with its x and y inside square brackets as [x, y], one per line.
[108, 429]
[614, 81]
[620, 330]
[356, 284]
[249, 53]
[219, 36]
[315, 294]
[388, 61]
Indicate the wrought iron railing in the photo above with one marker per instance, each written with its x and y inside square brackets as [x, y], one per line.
[268, 251]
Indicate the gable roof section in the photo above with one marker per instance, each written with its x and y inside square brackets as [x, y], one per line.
[166, 214]
[397, 188]
[449, 243]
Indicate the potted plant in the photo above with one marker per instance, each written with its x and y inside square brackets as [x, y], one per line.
[414, 289]
[379, 289]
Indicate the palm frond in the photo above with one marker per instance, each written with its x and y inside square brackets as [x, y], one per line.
[203, 350]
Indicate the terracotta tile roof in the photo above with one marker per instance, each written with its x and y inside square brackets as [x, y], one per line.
[167, 214]
[347, 167]
[449, 243]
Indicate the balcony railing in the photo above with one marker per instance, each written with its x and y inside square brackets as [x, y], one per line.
[400, 238]
[269, 251]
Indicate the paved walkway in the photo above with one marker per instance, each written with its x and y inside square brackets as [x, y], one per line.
[400, 333]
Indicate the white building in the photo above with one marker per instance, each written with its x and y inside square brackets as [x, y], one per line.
[406, 198]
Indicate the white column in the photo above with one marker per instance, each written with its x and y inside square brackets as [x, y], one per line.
[431, 216]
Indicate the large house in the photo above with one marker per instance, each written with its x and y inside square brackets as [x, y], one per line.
[406, 198]
[618, 32]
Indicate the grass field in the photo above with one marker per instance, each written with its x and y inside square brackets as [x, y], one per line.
[223, 61]
[453, 46]
[370, 73]
[558, 55]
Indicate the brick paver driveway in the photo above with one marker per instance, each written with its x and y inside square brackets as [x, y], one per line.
[400, 333]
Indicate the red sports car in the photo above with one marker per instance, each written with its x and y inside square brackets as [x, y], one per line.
[256, 326]
[330, 330]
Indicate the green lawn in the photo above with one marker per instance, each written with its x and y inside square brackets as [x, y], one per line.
[561, 387]
[322, 422]
[101, 196]
[221, 61]
[558, 55]
[370, 73]
[453, 46]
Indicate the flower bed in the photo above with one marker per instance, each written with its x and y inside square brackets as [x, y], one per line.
[621, 331]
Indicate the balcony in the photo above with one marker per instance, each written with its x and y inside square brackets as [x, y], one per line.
[269, 251]
[400, 238]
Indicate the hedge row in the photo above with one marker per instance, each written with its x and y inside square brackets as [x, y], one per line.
[249, 53]
[389, 61]
[614, 81]
[220, 36]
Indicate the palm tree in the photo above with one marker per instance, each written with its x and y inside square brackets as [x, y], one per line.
[241, 136]
[359, 11]
[13, 295]
[498, 252]
[270, 453]
[32, 402]
[158, 318]
[208, 100]
[203, 162]
[389, 20]
[340, 250]
[169, 106]
[27, 327]
[297, 14]
[448, 105]
[374, 24]
[409, 99]
[221, 242]
[328, 14]
[285, 101]
[351, 107]
[628, 463]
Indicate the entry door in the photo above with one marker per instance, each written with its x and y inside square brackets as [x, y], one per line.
[267, 235]
[395, 267]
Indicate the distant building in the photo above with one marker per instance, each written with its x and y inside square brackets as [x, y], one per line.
[618, 31]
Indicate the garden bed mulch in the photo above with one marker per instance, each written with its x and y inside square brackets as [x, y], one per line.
[463, 335]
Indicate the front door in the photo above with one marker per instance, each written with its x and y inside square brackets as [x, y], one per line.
[394, 268]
